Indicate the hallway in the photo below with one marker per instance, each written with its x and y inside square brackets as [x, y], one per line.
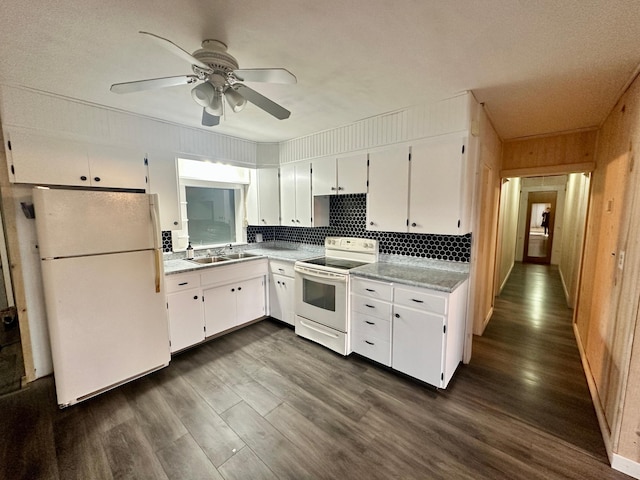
[527, 364]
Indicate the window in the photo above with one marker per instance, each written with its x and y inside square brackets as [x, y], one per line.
[212, 215]
[212, 197]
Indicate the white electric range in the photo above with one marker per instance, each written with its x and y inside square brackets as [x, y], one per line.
[322, 303]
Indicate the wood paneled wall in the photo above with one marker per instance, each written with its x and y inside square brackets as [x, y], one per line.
[572, 152]
[607, 307]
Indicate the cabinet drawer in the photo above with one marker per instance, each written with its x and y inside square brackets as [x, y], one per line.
[368, 326]
[372, 348]
[281, 268]
[422, 299]
[178, 283]
[368, 288]
[371, 306]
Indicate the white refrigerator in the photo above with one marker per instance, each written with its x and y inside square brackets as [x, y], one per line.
[103, 275]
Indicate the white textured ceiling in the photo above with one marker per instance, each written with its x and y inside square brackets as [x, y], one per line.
[540, 66]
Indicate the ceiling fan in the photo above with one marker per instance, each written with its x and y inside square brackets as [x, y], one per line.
[221, 78]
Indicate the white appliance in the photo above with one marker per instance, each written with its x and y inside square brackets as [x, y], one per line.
[322, 291]
[102, 273]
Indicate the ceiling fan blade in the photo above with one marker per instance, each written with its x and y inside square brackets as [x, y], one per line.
[176, 50]
[209, 120]
[270, 75]
[151, 84]
[262, 102]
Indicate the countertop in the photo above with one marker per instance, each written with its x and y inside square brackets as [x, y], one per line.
[413, 275]
[419, 272]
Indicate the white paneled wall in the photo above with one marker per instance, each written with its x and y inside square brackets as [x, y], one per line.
[59, 116]
[420, 121]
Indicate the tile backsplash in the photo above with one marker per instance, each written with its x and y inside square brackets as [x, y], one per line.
[347, 218]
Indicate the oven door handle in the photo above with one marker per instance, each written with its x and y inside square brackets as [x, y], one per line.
[336, 277]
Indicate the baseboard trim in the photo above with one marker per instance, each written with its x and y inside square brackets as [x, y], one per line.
[506, 278]
[564, 287]
[625, 465]
[595, 398]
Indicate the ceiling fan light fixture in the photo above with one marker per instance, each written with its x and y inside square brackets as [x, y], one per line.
[236, 101]
[204, 94]
[215, 106]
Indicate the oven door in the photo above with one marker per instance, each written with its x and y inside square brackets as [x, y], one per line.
[321, 296]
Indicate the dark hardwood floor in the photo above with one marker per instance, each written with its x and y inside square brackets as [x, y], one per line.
[261, 403]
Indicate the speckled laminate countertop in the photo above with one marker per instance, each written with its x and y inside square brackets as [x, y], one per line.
[413, 275]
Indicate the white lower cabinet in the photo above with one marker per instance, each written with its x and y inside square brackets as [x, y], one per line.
[201, 304]
[417, 331]
[184, 305]
[282, 291]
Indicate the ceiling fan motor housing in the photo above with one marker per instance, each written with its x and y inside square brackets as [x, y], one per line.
[214, 53]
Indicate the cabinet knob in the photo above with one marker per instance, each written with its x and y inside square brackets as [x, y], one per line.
[371, 223]
[297, 221]
[264, 221]
[293, 220]
[83, 178]
[239, 288]
[278, 282]
[340, 188]
[284, 284]
[397, 315]
[333, 188]
[233, 289]
[195, 297]
[175, 223]
[97, 179]
[414, 224]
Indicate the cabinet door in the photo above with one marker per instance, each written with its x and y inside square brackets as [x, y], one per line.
[281, 297]
[220, 311]
[47, 160]
[352, 174]
[303, 194]
[417, 344]
[288, 195]
[388, 195]
[163, 180]
[435, 202]
[186, 318]
[117, 167]
[250, 300]
[324, 180]
[269, 196]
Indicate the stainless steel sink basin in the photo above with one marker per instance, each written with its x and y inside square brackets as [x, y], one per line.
[236, 256]
[207, 260]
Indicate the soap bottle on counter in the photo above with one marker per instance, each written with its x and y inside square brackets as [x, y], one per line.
[189, 252]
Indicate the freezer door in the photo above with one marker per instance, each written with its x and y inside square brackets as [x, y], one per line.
[106, 322]
[80, 222]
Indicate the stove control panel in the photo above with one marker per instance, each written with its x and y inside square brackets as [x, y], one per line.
[352, 244]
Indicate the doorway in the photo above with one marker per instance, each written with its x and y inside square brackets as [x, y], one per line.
[538, 241]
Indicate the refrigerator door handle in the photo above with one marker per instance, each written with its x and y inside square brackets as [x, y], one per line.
[156, 241]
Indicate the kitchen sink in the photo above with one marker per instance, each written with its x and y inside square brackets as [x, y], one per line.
[207, 260]
[236, 256]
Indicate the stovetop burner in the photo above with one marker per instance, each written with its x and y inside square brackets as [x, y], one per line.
[335, 263]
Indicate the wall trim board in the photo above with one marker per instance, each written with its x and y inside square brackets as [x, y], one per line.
[595, 397]
[485, 322]
[506, 278]
[547, 171]
[405, 125]
[624, 465]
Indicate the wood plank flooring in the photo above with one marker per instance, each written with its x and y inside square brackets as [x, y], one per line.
[261, 403]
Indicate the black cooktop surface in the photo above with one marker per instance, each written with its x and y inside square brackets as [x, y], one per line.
[335, 263]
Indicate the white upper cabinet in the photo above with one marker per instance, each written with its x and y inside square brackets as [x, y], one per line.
[40, 159]
[163, 180]
[263, 198]
[420, 193]
[388, 190]
[298, 207]
[342, 175]
[436, 193]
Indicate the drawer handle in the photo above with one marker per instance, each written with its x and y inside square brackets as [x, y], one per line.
[370, 323]
[369, 289]
[370, 343]
[281, 270]
[417, 301]
[397, 315]
[183, 283]
[370, 306]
